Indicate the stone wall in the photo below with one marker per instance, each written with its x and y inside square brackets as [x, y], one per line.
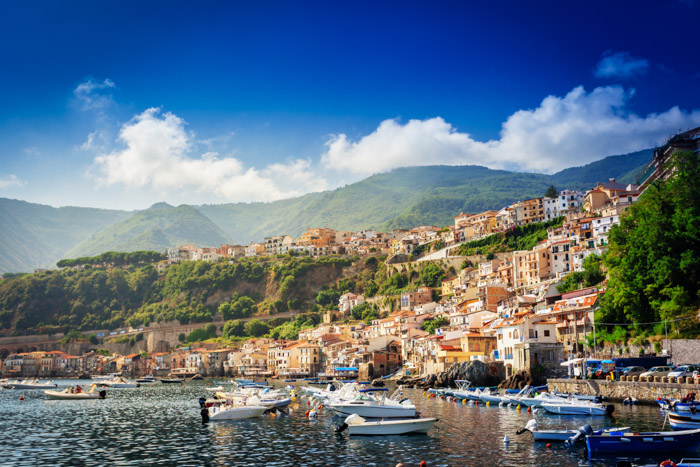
[684, 350]
[646, 393]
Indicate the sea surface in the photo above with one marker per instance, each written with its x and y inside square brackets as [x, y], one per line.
[160, 425]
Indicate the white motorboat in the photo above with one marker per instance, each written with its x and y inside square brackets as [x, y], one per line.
[30, 384]
[118, 383]
[357, 425]
[73, 394]
[147, 380]
[492, 397]
[577, 407]
[365, 405]
[556, 435]
[539, 399]
[231, 411]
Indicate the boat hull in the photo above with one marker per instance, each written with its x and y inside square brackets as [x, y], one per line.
[684, 421]
[643, 443]
[374, 411]
[392, 427]
[236, 413]
[566, 409]
[60, 395]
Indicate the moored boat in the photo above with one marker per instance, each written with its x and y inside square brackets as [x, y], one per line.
[171, 380]
[357, 425]
[29, 384]
[368, 406]
[653, 442]
[72, 394]
[684, 421]
[119, 383]
[556, 435]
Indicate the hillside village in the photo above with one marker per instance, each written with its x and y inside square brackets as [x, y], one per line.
[504, 309]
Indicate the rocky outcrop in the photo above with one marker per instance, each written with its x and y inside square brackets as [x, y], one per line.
[479, 373]
[521, 379]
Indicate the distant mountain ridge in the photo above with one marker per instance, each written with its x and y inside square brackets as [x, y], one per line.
[33, 235]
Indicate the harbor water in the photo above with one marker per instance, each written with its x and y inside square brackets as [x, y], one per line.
[160, 425]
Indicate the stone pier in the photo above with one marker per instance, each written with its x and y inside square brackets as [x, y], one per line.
[644, 392]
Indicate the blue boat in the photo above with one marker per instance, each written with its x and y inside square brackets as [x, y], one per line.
[653, 442]
[684, 420]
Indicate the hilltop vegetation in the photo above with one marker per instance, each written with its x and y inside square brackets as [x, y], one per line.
[524, 237]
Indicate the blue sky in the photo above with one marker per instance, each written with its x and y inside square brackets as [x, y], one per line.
[123, 104]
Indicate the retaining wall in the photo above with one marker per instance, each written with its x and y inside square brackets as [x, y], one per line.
[644, 392]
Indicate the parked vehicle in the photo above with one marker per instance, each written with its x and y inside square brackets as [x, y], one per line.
[657, 371]
[683, 371]
[632, 371]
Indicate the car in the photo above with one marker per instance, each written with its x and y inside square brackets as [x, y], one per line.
[683, 371]
[632, 371]
[657, 371]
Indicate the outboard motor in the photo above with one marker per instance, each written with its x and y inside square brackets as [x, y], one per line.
[583, 431]
[530, 426]
[205, 415]
[102, 394]
[609, 409]
[341, 428]
[202, 402]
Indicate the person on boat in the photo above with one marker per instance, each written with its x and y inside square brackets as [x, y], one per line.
[78, 389]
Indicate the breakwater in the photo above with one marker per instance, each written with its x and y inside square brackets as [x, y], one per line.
[644, 392]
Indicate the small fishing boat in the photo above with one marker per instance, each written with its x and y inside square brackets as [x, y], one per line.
[556, 435]
[357, 425]
[653, 442]
[229, 410]
[72, 394]
[684, 421]
[171, 381]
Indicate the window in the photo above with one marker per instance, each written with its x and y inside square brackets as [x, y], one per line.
[546, 333]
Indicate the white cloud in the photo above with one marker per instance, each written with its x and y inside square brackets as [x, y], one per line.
[31, 151]
[573, 130]
[156, 154]
[621, 65]
[11, 181]
[94, 95]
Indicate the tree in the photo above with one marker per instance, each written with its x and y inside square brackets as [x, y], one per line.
[243, 307]
[210, 330]
[432, 275]
[233, 328]
[430, 325]
[92, 338]
[358, 310]
[256, 328]
[181, 337]
[652, 259]
[551, 192]
[328, 297]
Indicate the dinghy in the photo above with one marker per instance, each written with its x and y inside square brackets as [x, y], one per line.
[357, 425]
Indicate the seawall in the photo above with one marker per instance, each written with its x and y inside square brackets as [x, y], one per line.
[644, 392]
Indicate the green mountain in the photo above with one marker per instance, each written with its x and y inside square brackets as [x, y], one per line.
[157, 228]
[33, 235]
[36, 236]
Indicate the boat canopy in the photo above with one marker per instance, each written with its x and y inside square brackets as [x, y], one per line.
[572, 361]
[345, 368]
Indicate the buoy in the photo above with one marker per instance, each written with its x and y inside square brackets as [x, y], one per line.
[476, 402]
[505, 439]
[294, 399]
[272, 415]
[306, 414]
[488, 403]
[529, 410]
[21, 397]
[308, 402]
[518, 408]
[549, 445]
[464, 402]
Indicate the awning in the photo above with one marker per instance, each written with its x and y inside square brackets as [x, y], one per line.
[345, 368]
[572, 361]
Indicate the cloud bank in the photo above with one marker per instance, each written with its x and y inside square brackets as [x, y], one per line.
[561, 132]
[156, 154]
[620, 65]
[11, 181]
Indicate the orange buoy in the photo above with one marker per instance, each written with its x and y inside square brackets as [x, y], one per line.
[549, 445]
[529, 410]
[21, 397]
